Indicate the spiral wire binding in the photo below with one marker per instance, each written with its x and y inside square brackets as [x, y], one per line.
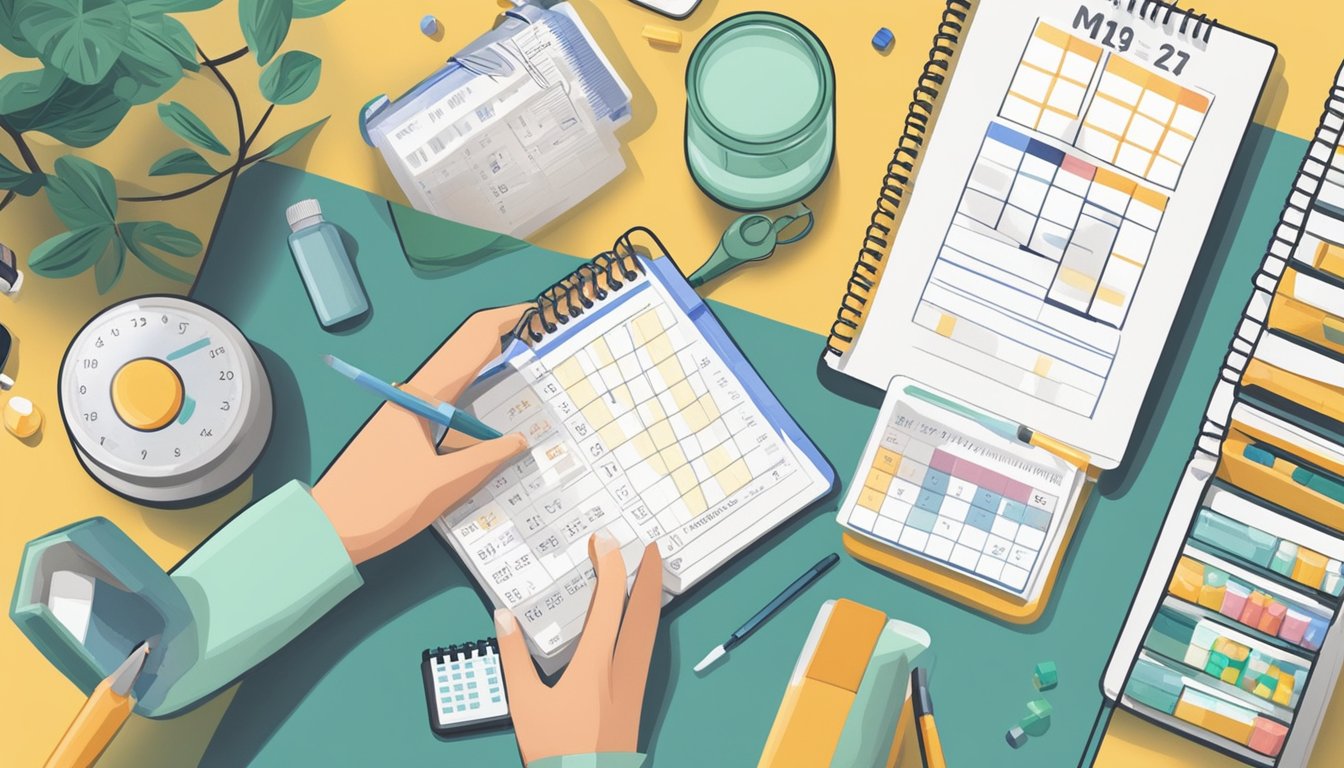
[877, 238]
[585, 287]
[461, 651]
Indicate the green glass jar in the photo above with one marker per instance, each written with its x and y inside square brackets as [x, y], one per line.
[760, 112]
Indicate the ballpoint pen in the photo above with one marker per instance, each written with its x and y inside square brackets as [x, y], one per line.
[930, 748]
[106, 711]
[754, 623]
[443, 414]
[1006, 429]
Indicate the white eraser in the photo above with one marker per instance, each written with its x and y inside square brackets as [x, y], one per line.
[71, 601]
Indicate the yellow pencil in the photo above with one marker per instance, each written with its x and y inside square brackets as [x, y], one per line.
[930, 748]
[106, 711]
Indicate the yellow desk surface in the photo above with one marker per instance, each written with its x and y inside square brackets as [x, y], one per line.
[370, 47]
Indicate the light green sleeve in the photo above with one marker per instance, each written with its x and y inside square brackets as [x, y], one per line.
[256, 584]
[591, 760]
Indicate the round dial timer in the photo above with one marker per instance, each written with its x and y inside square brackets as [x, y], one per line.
[165, 400]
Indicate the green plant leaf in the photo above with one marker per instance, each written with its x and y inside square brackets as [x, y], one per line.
[186, 124]
[265, 24]
[107, 269]
[22, 90]
[291, 78]
[287, 142]
[49, 102]
[181, 161]
[82, 38]
[70, 253]
[9, 32]
[307, 9]
[144, 237]
[169, 6]
[82, 194]
[19, 180]
[163, 236]
[158, 48]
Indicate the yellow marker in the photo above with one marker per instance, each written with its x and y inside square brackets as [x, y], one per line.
[662, 35]
[930, 748]
[102, 716]
[1062, 450]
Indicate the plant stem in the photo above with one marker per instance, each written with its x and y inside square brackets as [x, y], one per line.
[253, 136]
[225, 59]
[27, 154]
[9, 198]
[244, 140]
[242, 162]
[233, 96]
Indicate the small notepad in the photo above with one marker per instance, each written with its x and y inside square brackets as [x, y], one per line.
[464, 687]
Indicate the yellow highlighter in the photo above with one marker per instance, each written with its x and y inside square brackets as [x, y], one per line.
[929, 747]
[106, 711]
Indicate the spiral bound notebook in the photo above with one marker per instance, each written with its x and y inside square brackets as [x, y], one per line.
[644, 419]
[464, 687]
[1064, 159]
[1234, 636]
[1063, 190]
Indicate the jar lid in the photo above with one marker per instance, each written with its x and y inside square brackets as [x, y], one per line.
[758, 79]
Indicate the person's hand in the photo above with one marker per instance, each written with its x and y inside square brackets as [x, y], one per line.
[595, 707]
[390, 482]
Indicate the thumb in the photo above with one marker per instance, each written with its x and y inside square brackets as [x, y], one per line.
[520, 677]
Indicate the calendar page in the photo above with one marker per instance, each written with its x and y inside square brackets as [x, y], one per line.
[638, 426]
[1070, 177]
[944, 488]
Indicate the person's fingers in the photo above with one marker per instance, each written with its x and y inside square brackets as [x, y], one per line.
[639, 628]
[604, 613]
[521, 682]
[448, 372]
[461, 472]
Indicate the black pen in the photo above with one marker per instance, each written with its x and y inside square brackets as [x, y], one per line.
[763, 615]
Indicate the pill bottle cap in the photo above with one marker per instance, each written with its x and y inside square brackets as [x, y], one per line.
[302, 214]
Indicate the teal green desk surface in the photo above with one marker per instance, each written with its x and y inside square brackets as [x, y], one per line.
[348, 691]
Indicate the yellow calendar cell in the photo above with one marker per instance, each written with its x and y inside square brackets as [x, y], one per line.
[662, 435]
[711, 407]
[568, 373]
[670, 370]
[612, 434]
[601, 352]
[646, 327]
[659, 348]
[871, 500]
[694, 414]
[695, 500]
[683, 395]
[878, 480]
[734, 476]
[717, 459]
[582, 393]
[597, 413]
[684, 477]
[673, 456]
[887, 460]
[643, 445]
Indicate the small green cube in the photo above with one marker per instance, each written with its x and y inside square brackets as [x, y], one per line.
[1016, 737]
[1045, 676]
[1038, 721]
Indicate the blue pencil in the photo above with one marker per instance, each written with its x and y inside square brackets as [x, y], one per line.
[443, 414]
[770, 609]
